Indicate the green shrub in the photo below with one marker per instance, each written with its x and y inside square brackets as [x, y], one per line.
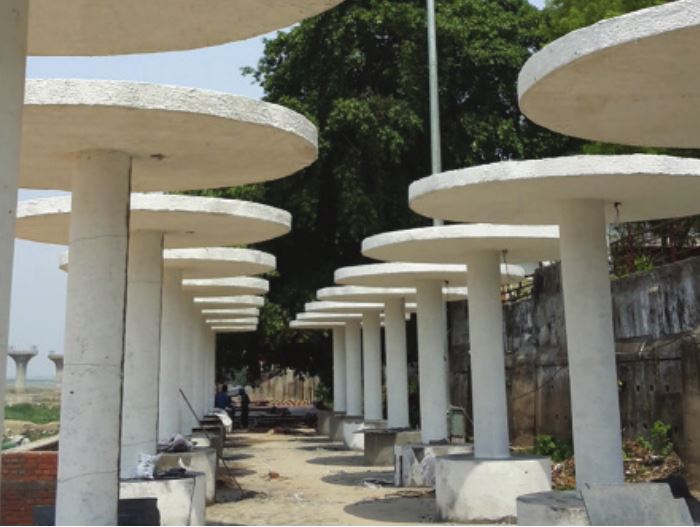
[661, 443]
[34, 413]
[557, 450]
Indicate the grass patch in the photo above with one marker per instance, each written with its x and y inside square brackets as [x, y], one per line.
[34, 413]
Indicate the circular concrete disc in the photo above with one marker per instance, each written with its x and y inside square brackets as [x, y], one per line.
[219, 262]
[381, 294]
[232, 322]
[633, 79]
[241, 312]
[234, 329]
[318, 325]
[228, 302]
[455, 243]
[187, 221]
[239, 285]
[342, 307]
[108, 27]
[536, 192]
[407, 274]
[329, 317]
[178, 138]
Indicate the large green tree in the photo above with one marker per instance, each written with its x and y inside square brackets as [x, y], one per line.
[360, 73]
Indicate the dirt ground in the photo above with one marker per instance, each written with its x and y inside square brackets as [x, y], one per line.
[306, 480]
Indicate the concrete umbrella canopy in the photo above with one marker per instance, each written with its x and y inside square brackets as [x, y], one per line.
[240, 312]
[243, 321]
[239, 285]
[234, 329]
[632, 79]
[580, 194]
[394, 300]
[429, 280]
[482, 248]
[155, 221]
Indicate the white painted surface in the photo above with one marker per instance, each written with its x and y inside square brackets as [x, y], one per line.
[432, 361]
[315, 324]
[219, 262]
[13, 53]
[351, 439]
[141, 349]
[339, 374]
[372, 365]
[80, 27]
[228, 302]
[342, 307]
[179, 138]
[595, 413]
[468, 489]
[237, 285]
[400, 274]
[488, 368]
[168, 397]
[396, 363]
[353, 370]
[91, 399]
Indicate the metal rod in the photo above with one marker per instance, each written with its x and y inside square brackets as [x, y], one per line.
[435, 141]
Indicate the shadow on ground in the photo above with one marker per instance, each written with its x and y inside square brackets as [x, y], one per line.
[236, 457]
[328, 446]
[407, 506]
[339, 461]
[357, 479]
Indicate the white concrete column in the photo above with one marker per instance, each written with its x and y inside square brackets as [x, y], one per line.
[339, 374]
[396, 362]
[91, 399]
[21, 359]
[212, 370]
[13, 59]
[197, 364]
[595, 411]
[58, 362]
[187, 373]
[353, 368]
[432, 360]
[488, 367]
[168, 396]
[372, 365]
[141, 349]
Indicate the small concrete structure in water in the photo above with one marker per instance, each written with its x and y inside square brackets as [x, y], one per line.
[57, 359]
[22, 358]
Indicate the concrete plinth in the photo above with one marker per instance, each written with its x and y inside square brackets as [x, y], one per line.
[323, 422]
[552, 508]
[335, 426]
[181, 501]
[414, 465]
[202, 460]
[351, 439]
[380, 444]
[207, 438]
[471, 489]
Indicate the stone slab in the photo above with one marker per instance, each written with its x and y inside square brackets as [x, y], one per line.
[414, 464]
[552, 508]
[469, 489]
[380, 444]
[199, 459]
[635, 504]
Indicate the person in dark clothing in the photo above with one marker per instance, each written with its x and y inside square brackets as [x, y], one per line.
[222, 399]
[245, 404]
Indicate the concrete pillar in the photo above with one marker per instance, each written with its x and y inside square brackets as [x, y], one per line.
[22, 359]
[168, 396]
[13, 58]
[488, 368]
[197, 399]
[187, 373]
[339, 373]
[595, 411]
[372, 365]
[432, 360]
[353, 369]
[91, 401]
[396, 363]
[58, 362]
[141, 349]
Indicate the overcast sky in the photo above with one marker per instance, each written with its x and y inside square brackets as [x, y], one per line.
[38, 287]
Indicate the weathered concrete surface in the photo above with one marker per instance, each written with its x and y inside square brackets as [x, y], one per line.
[335, 426]
[323, 422]
[552, 508]
[414, 465]
[180, 501]
[202, 460]
[353, 440]
[470, 489]
[380, 444]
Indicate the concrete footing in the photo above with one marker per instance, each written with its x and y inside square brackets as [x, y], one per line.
[351, 425]
[202, 460]
[414, 464]
[380, 444]
[469, 489]
[552, 508]
[335, 426]
[180, 501]
[323, 422]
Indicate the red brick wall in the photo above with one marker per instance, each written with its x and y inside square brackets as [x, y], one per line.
[28, 479]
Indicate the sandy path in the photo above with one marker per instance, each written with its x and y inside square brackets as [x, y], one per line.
[318, 484]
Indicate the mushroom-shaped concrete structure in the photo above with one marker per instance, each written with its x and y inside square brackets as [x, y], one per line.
[631, 79]
[155, 221]
[229, 302]
[580, 194]
[429, 280]
[241, 312]
[234, 329]
[22, 358]
[482, 248]
[239, 285]
[57, 359]
[249, 321]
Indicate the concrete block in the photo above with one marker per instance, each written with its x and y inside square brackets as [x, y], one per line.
[636, 504]
[323, 422]
[414, 464]
[181, 501]
[202, 460]
[380, 443]
[552, 508]
[469, 489]
[352, 440]
[335, 426]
